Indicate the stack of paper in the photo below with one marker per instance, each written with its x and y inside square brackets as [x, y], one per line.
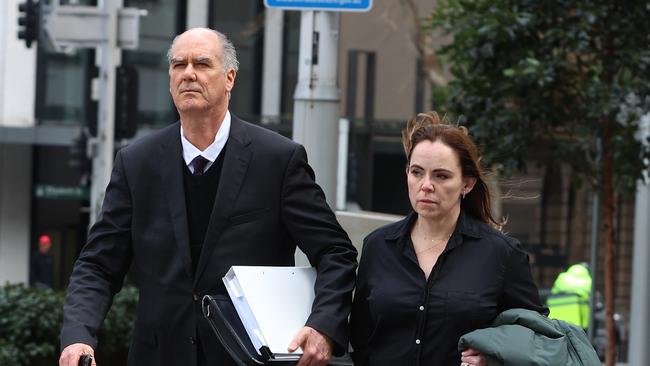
[273, 303]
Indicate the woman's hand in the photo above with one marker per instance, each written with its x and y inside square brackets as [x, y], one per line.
[472, 357]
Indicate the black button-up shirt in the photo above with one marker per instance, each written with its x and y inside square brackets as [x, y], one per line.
[401, 318]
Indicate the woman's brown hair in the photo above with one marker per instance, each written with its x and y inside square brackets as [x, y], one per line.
[429, 126]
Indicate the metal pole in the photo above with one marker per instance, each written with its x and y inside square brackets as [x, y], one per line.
[272, 73]
[593, 261]
[108, 57]
[316, 99]
[342, 174]
[593, 257]
[639, 352]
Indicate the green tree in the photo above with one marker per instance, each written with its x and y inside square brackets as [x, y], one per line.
[570, 78]
[31, 318]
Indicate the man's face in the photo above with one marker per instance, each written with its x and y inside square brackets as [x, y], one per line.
[197, 80]
[44, 246]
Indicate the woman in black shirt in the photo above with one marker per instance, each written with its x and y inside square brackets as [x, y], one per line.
[444, 270]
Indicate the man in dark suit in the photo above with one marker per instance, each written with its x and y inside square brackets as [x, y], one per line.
[187, 202]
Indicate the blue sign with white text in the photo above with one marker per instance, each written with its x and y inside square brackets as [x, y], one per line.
[328, 5]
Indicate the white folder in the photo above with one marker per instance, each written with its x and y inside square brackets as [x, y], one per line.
[273, 303]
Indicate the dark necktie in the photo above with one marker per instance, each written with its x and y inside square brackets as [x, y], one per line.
[198, 165]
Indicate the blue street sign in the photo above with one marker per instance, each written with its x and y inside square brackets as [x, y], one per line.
[328, 5]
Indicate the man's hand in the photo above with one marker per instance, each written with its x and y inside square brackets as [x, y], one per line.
[71, 354]
[316, 347]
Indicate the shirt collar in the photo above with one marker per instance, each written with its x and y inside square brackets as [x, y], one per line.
[211, 152]
[466, 225]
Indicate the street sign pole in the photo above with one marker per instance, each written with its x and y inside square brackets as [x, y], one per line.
[108, 57]
[639, 352]
[316, 99]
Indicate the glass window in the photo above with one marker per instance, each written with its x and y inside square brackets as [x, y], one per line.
[164, 20]
[63, 83]
[243, 23]
[290, 53]
[63, 80]
[63, 86]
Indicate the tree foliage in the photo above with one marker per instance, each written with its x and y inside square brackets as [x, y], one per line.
[31, 318]
[554, 76]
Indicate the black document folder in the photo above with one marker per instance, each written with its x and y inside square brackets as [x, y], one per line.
[224, 321]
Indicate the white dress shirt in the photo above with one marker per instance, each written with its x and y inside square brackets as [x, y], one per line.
[211, 152]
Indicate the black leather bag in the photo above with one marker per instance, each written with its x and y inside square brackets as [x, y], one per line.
[224, 321]
[85, 360]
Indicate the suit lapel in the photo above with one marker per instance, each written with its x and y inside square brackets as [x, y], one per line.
[172, 179]
[235, 163]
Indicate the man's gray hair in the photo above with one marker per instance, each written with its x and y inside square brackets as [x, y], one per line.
[228, 54]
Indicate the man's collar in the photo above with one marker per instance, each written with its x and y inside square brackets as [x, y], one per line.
[211, 152]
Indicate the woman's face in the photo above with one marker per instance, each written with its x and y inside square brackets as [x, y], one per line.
[435, 180]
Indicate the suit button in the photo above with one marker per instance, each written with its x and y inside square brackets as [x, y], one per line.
[192, 340]
[195, 296]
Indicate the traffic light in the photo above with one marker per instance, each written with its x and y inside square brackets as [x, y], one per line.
[126, 101]
[29, 21]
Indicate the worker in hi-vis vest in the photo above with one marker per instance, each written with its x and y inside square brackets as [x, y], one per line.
[569, 300]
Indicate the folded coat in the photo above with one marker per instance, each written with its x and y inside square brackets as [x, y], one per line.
[520, 337]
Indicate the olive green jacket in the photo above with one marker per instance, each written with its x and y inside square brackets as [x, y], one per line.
[520, 337]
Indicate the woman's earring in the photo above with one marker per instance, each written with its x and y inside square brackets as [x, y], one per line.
[464, 193]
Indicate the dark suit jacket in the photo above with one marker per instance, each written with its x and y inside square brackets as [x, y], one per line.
[266, 204]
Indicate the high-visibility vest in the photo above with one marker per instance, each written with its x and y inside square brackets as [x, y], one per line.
[569, 299]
